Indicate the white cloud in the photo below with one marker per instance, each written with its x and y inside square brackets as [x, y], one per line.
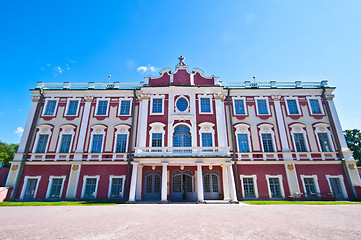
[19, 131]
[148, 68]
[72, 61]
[20, 110]
[58, 69]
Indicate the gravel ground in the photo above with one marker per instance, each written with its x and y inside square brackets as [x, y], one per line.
[182, 221]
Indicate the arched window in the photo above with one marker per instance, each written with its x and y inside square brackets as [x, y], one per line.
[182, 136]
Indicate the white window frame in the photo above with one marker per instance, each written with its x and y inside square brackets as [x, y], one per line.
[97, 105]
[319, 103]
[67, 106]
[26, 178]
[51, 178]
[297, 104]
[280, 178]
[315, 180]
[299, 128]
[242, 128]
[156, 127]
[130, 107]
[121, 129]
[175, 105]
[342, 183]
[254, 177]
[267, 102]
[111, 182]
[46, 104]
[234, 99]
[200, 96]
[44, 129]
[206, 127]
[157, 96]
[96, 187]
[65, 130]
[266, 128]
[323, 128]
[97, 130]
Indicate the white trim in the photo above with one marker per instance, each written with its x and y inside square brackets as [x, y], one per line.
[67, 106]
[51, 178]
[280, 181]
[156, 127]
[297, 104]
[66, 129]
[84, 182]
[319, 103]
[97, 105]
[315, 181]
[340, 177]
[122, 129]
[176, 110]
[130, 106]
[234, 99]
[97, 130]
[323, 128]
[26, 178]
[267, 102]
[206, 127]
[46, 104]
[191, 129]
[255, 187]
[44, 129]
[200, 96]
[266, 128]
[111, 182]
[157, 96]
[242, 128]
[300, 129]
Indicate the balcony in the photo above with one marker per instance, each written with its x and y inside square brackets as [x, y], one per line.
[181, 151]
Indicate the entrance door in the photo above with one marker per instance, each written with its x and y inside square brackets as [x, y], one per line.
[182, 186]
[152, 185]
[211, 185]
[336, 188]
[30, 189]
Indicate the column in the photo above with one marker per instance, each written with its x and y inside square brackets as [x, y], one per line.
[164, 183]
[200, 182]
[232, 186]
[292, 180]
[221, 120]
[142, 120]
[83, 128]
[133, 183]
[138, 192]
[226, 193]
[73, 181]
[281, 126]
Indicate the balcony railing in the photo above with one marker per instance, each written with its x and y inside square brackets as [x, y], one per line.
[181, 151]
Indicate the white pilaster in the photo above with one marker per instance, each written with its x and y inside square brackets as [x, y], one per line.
[225, 178]
[164, 183]
[292, 179]
[133, 183]
[221, 121]
[200, 183]
[142, 120]
[83, 128]
[138, 192]
[232, 185]
[73, 181]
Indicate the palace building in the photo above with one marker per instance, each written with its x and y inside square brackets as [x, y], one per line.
[183, 136]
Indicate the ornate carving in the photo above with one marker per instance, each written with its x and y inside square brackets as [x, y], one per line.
[330, 96]
[88, 98]
[290, 167]
[276, 97]
[352, 166]
[219, 96]
[35, 98]
[14, 167]
[142, 97]
[182, 167]
[181, 61]
[75, 167]
[153, 167]
[210, 167]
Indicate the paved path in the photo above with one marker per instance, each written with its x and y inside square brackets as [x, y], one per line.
[181, 221]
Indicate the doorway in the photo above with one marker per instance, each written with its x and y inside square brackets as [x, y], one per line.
[183, 186]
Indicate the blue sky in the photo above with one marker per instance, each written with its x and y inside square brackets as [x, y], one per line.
[85, 41]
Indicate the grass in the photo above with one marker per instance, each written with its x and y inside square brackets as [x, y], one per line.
[62, 203]
[300, 202]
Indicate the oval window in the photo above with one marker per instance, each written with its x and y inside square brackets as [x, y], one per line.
[182, 104]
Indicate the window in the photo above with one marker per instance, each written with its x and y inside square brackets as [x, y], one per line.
[267, 142]
[124, 107]
[102, 107]
[30, 187]
[262, 106]
[72, 107]
[243, 143]
[156, 135]
[248, 187]
[121, 146]
[157, 140]
[90, 187]
[65, 143]
[239, 107]
[310, 187]
[97, 143]
[275, 187]
[300, 142]
[315, 106]
[56, 188]
[337, 186]
[206, 136]
[42, 143]
[292, 106]
[116, 186]
[50, 107]
[205, 105]
[182, 136]
[182, 104]
[207, 140]
[324, 142]
[157, 105]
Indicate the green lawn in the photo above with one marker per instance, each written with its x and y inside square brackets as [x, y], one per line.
[63, 203]
[299, 202]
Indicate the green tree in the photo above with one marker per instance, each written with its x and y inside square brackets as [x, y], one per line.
[353, 139]
[7, 152]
